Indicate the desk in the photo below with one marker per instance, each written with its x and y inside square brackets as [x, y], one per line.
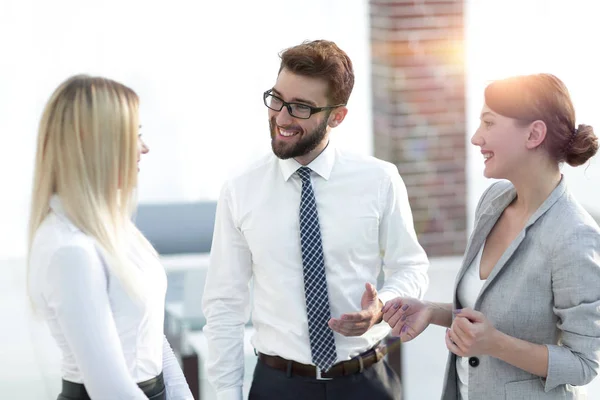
[186, 276]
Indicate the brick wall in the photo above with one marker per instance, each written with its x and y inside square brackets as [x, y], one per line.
[419, 111]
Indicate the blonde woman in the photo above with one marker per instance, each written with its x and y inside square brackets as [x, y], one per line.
[92, 275]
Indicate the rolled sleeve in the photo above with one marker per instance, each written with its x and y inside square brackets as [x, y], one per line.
[575, 359]
[405, 263]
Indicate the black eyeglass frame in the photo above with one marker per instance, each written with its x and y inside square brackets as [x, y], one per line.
[313, 110]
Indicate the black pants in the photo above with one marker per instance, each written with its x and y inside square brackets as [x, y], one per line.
[379, 382]
[153, 388]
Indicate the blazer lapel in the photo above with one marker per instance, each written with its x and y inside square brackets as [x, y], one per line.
[501, 263]
[501, 205]
[484, 224]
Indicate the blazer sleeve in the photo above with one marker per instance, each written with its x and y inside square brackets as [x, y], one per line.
[575, 285]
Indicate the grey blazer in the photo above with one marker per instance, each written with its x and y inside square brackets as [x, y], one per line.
[544, 289]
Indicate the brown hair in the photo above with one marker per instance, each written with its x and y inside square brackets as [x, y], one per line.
[528, 98]
[322, 59]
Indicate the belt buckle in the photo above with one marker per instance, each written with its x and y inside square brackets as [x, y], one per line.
[319, 377]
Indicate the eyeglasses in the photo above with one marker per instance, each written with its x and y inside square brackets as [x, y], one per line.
[296, 110]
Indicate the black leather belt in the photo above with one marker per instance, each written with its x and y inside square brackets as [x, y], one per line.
[153, 388]
[353, 366]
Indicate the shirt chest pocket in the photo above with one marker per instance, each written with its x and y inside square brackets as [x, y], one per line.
[272, 236]
[351, 232]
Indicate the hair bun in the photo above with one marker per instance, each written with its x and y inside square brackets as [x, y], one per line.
[582, 145]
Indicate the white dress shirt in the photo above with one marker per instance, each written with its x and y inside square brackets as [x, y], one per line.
[365, 221]
[467, 292]
[108, 341]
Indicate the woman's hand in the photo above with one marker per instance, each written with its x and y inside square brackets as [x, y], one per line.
[471, 334]
[407, 317]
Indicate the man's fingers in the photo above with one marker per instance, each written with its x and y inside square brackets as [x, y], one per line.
[353, 332]
[371, 288]
[348, 330]
[344, 324]
[357, 316]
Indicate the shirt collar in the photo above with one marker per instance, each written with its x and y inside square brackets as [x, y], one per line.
[56, 205]
[57, 208]
[322, 165]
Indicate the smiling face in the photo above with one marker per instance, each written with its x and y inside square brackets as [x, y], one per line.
[504, 144]
[302, 139]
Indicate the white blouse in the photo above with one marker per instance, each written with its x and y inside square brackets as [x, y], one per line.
[108, 341]
[468, 290]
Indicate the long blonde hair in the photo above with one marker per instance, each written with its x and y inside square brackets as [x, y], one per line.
[87, 149]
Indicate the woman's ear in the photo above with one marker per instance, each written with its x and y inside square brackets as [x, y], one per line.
[537, 134]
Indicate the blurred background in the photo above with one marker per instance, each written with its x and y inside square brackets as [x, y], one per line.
[200, 68]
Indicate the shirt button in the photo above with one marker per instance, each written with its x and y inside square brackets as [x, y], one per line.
[473, 361]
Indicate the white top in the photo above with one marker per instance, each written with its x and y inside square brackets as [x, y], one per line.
[468, 291]
[365, 221]
[108, 342]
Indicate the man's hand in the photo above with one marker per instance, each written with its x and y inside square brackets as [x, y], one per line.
[356, 324]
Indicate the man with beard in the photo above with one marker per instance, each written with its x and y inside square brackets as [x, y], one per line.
[312, 226]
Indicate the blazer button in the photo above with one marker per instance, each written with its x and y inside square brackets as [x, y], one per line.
[473, 361]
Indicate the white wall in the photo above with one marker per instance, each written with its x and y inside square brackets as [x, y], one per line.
[200, 68]
[513, 37]
[191, 60]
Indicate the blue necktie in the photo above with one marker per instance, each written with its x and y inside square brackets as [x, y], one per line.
[322, 343]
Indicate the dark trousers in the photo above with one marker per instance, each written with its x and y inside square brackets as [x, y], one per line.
[379, 382]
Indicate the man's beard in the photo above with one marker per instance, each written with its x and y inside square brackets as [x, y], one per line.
[307, 143]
